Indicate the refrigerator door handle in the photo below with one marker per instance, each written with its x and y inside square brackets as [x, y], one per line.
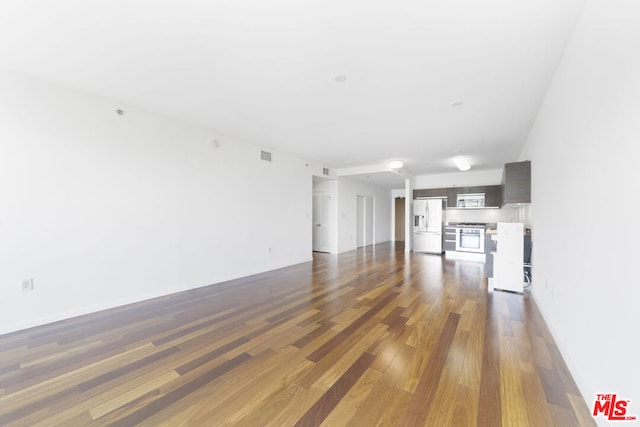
[427, 216]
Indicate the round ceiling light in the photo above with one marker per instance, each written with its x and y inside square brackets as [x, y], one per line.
[340, 78]
[463, 164]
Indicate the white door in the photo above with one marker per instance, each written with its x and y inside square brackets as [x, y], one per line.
[321, 222]
[360, 222]
[365, 221]
[368, 220]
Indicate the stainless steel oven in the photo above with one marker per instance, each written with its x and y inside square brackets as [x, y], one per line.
[470, 239]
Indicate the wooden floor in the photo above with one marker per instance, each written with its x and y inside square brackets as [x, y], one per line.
[371, 337]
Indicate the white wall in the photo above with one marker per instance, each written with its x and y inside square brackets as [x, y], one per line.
[101, 209]
[348, 192]
[459, 179]
[399, 192]
[584, 150]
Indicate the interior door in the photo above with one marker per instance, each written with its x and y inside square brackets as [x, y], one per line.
[365, 221]
[360, 222]
[399, 219]
[368, 218]
[321, 222]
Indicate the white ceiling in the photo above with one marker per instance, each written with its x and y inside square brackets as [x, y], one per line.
[263, 71]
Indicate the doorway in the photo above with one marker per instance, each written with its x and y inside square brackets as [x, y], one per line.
[399, 219]
[321, 239]
[365, 221]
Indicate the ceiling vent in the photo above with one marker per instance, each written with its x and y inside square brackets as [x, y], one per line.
[265, 155]
[325, 171]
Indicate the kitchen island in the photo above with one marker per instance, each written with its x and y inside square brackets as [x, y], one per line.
[505, 250]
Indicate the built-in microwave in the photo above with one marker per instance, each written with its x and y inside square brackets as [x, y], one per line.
[470, 201]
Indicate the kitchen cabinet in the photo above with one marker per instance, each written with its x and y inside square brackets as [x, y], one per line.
[516, 183]
[452, 197]
[489, 250]
[492, 194]
[430, 192]
[449, 238]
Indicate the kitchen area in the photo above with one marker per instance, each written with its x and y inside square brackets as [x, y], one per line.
[485, 224]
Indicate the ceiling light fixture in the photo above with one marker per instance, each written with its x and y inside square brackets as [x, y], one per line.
[340, 78]
[463, 163]
[396, 164]
[457, 103]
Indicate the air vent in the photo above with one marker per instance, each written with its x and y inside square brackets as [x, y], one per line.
[325, 171]
[265, 155]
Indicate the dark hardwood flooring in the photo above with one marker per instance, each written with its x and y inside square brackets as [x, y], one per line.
[370, 337]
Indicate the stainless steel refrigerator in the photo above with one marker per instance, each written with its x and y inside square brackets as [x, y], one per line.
[428, 225]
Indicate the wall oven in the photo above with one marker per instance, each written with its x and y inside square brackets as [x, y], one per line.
[470, 240]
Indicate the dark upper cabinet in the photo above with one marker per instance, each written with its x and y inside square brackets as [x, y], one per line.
[430, 192]
[492, 194]
[452, 197]
[516, 183]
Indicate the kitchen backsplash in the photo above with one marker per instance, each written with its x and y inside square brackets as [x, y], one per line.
[517, 214]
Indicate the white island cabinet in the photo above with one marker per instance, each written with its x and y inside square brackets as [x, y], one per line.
[509, 257]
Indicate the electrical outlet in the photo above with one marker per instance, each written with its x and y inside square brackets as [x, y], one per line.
[26, 285]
